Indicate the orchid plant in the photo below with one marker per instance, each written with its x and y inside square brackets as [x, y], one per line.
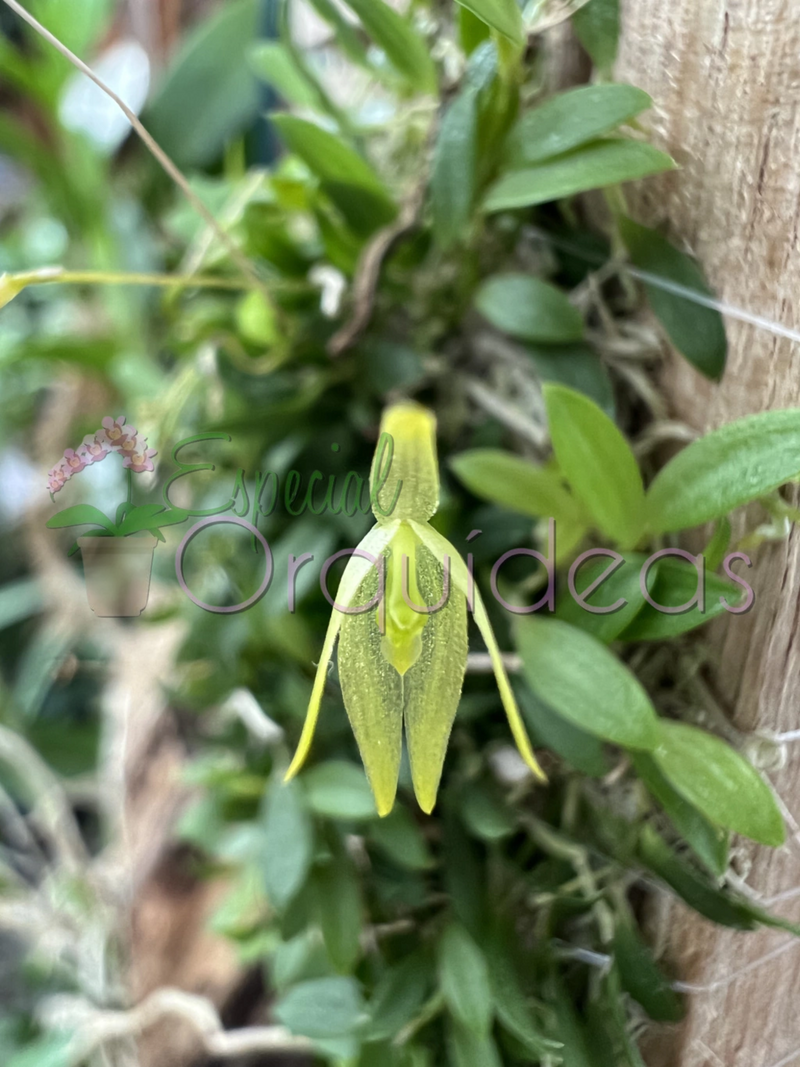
[120, 437]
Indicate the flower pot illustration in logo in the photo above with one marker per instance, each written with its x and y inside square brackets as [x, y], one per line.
[117, 572]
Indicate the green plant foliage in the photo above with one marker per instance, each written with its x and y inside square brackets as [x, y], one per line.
[570, 119]
[697, 332]
[416, 269]
[598, 463]
[595, 165]
[597, 25]
[734, 465]
[528, 308]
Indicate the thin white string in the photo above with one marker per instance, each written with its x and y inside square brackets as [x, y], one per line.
[668, 286]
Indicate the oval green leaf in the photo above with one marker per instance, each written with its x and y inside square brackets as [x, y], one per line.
[581, 680]
[528, 308]
[405, 49]
[734, 465]
[697, 332]
[595, 166]
[516, 483]
[502, 15]
[719, 782]
[454, 167]
[597, 462]
[570, 119]
[464, 979]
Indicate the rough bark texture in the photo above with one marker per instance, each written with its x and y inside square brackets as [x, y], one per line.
[725, 76]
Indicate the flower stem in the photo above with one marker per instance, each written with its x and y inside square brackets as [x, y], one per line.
[59, 276]
[130, 486]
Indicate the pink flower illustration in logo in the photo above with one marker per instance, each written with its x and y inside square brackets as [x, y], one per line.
[141, 460]
[72, 462]
[117, 431]
[56, 479]
[94, 448]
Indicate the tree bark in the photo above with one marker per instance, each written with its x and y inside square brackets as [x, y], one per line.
[725, 79]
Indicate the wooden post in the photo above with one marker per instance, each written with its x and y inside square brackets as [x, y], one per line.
[725, 78]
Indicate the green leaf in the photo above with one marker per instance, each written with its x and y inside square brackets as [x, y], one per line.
[597, 27]
[321, 1008]
[485, 813]
[671, 583]
[273, 63]
[641, 977]
[595, 166]
[697, 332]
[528, 308]
[464, 979]
[346, 177]
[621, 584]
[568, 120]
[585, 683]
[569, 1029]
[398, 996]
[288, 842]
[406, 51]
[511, 1004]
[708, 842]
[580, 749]
[734, 465]
[399, 836]
[454, 169]
[81, 515]
[597, 462]
[466, 1048]
[348, 37]
[577, 366]
[209, 94]
[149, 517]
[517, 484]
[719, 782]
[472, 31]
[339, 790]
[697, 890]
[502, 15]
[339, 909]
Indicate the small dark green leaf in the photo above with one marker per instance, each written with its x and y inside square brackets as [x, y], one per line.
[568, 120]
[339, 790]
[466, 1048]
[340, 910]
[577, 366]
[485, 813]
[671, 583]
[525, 307]
[697, 890]
[464, 979]
[321, 1008]
[405, 49]
[273, 63]
[734, 465]
[597, 462]
[697, 332]
[719, 782]
[580, 749]
[288, 842]
[502, 15]
[209, 94]
[595, 166]
[569, 1029]
[398, 996]
[597, 27]
[511, 1005]
[641, 977]
[348, 179]
[620, 585]
[517, 484]
[709, 843]
[472, 31]
[454, 169]
[584, 682]
[401, 839]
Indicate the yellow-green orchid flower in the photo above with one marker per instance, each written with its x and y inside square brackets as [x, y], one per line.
[402, 629]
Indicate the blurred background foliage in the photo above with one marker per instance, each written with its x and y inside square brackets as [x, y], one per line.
[403, 211]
